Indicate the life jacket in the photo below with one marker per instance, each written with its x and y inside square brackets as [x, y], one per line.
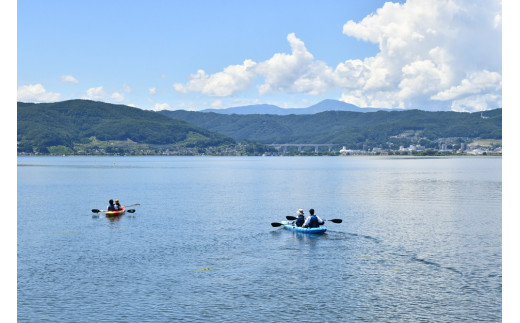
[111, 207]
[313, 222]
[300, 221]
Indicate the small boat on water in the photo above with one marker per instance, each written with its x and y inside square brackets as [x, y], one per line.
[289, 225]
[116, 213]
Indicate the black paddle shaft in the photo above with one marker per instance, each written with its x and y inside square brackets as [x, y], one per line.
[290, 218]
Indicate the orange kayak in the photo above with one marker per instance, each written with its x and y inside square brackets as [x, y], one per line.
[116, 213]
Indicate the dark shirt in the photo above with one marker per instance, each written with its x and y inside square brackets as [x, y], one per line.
[314, 221]
[300, 220]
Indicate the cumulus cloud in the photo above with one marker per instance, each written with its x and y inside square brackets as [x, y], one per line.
[95, 93]
[160, 106]
[475, 83]
[99, 94]
[297, 72]
[69, 79]
[432, 54]
[438, 50]
[232, 79]
[36, 93]
[479, 102]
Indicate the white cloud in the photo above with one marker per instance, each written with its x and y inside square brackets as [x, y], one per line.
[427, 50]
[419, 78]
[430, 54]
[160, 106]
[117, 96]
[152, 91]
[69, 79]
[297, 72]
[477, 82]
[232, 79]
[477, 103]
[96, 93]
[36, 93]
[99, 94]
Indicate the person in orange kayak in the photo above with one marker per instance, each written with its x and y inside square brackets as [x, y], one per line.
[117, 205]
[111, 206]
[313, 221]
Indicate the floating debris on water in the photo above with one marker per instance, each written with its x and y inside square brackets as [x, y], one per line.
[204, 269]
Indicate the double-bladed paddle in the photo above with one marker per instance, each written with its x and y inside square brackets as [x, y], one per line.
[101, 211]
[291, 218]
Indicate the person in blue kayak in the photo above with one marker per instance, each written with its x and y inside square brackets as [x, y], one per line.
[111, 206]
[313, 221]
[301, 218]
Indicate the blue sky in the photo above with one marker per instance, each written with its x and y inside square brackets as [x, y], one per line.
[432, 55]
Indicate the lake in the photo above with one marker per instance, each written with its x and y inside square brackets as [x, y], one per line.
[420, 241]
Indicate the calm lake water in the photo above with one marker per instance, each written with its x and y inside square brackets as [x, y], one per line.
[421, 239]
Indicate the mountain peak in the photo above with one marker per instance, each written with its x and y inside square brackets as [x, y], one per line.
[322, 106]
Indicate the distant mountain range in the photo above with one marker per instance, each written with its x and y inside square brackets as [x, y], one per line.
[76, 125]
[325, 105]
[348, 128]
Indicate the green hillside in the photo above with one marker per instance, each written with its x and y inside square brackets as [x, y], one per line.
[351, 129]
[85, 127]
[67, 123]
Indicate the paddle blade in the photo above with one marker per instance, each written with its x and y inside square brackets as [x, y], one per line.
[276, 224]
[336, 220]
[290, 218]
[130, 211]
[96, 210]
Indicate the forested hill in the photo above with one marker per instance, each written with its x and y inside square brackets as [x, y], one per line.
[348, 128]
[44, 125]
[72, 125]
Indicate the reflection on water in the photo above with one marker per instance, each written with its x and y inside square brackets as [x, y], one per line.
[420, 239]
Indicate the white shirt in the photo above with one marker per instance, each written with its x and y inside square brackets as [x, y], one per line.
[320, 221]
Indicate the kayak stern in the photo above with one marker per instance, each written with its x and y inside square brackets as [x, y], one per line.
[289, 225]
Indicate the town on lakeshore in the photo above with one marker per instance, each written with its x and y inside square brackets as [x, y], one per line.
[446, 147]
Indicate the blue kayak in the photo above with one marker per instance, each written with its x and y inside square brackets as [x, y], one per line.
[289, 225]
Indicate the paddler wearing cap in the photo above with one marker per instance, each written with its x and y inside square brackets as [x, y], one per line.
[301, 218]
